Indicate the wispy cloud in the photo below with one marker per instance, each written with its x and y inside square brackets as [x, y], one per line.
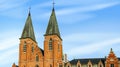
[8, 40]
[81, 12]
[5, 5]
[8, 43]
[68, 19]
[83, 44]
[13, 8]
[91, 48]
[84, 37]
[67, 11]
[88, 8]
[9, 56]
[9, 47]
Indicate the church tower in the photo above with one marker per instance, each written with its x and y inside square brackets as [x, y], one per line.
[29, 52]
[52, 44]
[112, 60]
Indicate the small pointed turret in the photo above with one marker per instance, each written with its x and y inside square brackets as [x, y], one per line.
[28, 31]
[111, 50]
[52, 28]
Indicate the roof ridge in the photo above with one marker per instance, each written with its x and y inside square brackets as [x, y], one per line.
[88, 58]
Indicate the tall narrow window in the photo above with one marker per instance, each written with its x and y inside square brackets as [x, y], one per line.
[89, 65]
[50, 44]
[32, 49]
[78, 65]
[37, 66]
[58, 47]
[60, 65]
[50, 65]
[37, 58]
[24, 47]
[112, 65]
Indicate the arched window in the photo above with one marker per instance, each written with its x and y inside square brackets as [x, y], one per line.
[111, 65]
[60, 65]
[100, 65]
[50, 44]
[24, 47]
[89, 65]
[78, 65]
[50, 65]
[37, 66]
[37, 58]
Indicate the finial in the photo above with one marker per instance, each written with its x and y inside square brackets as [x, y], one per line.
[53, 3]
[111, 50]
[14, 63]
[105, 57]
[29, 10]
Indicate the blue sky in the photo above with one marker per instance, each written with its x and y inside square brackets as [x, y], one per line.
[89, 28]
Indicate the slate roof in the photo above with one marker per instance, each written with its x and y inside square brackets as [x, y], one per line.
[42, 51]
[52, 28]
[86, 60]
[28, 31]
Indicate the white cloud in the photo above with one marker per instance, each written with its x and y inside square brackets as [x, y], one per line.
[85, 37]
[11, 4]
[13, 8]
[91, 48]
[83, 44]
[8, 43]
[13, 41]
[8, 53]
[8, 39]
[78, 18]
[9, 56]
[66, 14]
[43, 4]
[87, 8]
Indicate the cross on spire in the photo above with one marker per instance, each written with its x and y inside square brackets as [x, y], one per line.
[29, 10]
[53, 3]
[28, 31]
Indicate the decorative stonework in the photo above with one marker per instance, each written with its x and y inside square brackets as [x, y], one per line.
[112, 60]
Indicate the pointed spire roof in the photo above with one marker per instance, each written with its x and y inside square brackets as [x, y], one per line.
[52, 28]
[111, 53]
[111, 50]
[28, 31]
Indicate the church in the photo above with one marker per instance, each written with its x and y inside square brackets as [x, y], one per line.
[31, 55]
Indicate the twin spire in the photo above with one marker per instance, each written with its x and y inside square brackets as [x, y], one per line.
[28, 31]
[52, 28]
